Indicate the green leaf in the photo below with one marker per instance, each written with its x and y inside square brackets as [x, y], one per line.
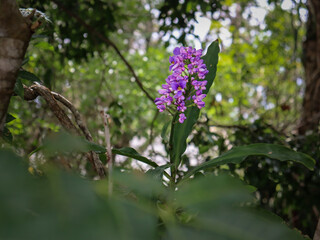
[164, 130]
[65, 199]
[239, 154]
[103, 158]
[64, 142]
[236, 224]
[45, 46]
[130, 152]
[9, 118]
[18, 88]
[157, 173]
[90, 146]
[211, 60]
[6, 135]
[35, 150]
[223, 208]
[180, 132]
[28, 76]
[212, 191]
[138, 183]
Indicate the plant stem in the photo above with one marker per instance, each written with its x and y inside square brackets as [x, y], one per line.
[106, 117]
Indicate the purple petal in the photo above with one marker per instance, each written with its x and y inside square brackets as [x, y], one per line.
[176, 51]
[174, 85]
[183, 84]
[178, 94]
[163, 91]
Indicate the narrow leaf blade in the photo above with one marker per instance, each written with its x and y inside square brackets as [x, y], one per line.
[130, 152]
[28, 76]
[239, 154]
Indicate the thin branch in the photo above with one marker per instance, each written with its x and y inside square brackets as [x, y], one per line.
[106, 118]
[75, 113]
[107, 41]
[52, 98]
[63, 118]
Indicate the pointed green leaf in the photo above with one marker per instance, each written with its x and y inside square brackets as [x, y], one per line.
[9, 118]
[28, 76]
[94, 147]
[164, 130]
[157, 172]
[130, 152]
[180, 132]
[239, 154]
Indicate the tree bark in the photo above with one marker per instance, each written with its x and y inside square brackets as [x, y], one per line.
[15, 34]
[311, 103]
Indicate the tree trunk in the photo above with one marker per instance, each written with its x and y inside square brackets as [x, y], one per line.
[311, 102]
[15, 34]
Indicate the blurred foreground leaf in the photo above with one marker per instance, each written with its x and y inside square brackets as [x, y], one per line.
[63, 142]
[63, 206]
[223, 208]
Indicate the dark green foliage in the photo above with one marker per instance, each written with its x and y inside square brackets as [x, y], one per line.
[59, 205]
[64, 16]
[62, 206]
[289, 190]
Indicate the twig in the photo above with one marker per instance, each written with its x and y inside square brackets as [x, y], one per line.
[63, 118]
[107, 41]
[75, 113]
[106, 117]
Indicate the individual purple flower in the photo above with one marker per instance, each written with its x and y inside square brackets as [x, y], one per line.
[182, 117]
[186, 83]
[198, 100]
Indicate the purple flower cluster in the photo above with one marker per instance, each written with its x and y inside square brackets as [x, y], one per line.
[185, 84]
